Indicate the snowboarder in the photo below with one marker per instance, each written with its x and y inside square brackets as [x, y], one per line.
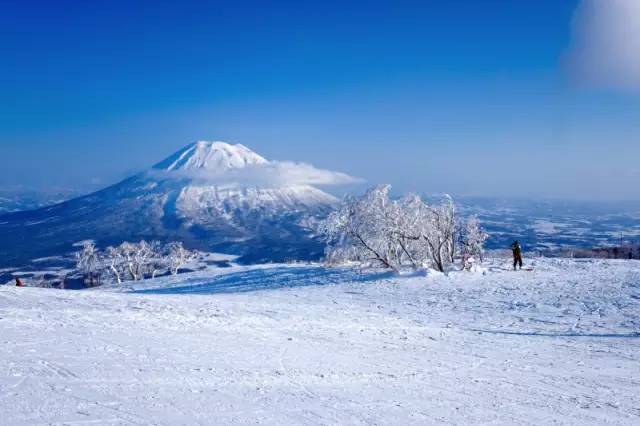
[517, 254]
[18, 282]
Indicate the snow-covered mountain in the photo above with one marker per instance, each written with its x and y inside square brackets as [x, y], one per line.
[213, 156]
[209, 195]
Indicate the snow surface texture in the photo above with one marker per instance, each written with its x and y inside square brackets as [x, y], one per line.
[277, 344]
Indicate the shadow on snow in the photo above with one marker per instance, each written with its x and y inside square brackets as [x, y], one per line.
[269, 279]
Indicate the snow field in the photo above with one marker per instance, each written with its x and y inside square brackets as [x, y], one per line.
[282, 344]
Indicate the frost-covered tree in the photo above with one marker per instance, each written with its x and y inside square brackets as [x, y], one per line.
[132, 260]
[127, 251]
[39, 281]
[177, 256]
[114, 264]
[137, 261]
[135, 256]
[152, 259]
[472, 241]
[88, 261]
[439, 234]
[374, 229]
[360, 230]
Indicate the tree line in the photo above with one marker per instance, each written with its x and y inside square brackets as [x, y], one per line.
[616, 252]
[131, 261]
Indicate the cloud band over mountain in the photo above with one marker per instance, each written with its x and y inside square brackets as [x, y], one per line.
[271, 174]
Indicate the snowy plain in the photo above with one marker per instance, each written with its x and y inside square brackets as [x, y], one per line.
[303, 344]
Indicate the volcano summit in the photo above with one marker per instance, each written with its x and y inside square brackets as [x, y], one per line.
[210, 195]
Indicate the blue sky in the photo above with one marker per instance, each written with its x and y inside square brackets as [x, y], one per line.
[467, 97]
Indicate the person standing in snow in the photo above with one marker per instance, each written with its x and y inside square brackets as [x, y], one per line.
[517, 254]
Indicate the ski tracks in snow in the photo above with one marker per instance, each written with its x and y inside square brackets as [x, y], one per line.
[309, 346]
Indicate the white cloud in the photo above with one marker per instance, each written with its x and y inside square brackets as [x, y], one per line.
[271, 174]
[605, 46]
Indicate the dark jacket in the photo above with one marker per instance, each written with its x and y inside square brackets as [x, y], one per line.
[517, 251]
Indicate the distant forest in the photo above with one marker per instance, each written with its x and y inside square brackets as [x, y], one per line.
[619, 252]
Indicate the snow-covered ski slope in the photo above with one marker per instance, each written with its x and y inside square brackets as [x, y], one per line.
[306, 345]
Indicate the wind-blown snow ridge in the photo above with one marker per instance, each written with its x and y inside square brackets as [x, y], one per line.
[211, 156]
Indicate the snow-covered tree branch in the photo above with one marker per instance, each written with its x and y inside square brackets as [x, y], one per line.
[177, 256]
[472, 240]
[132, 261]
[88, 262]
[376, 230]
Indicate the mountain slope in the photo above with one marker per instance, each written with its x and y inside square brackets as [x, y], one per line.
[181, 198]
